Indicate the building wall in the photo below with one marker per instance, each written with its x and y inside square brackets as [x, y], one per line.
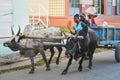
[6, 17]
[20, 14]
[55, 9]
[12, 13]
[38, 7]
[113, 19]
[59, 12]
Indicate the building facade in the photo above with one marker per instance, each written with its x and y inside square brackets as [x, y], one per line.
[12, 13]
[60, 12]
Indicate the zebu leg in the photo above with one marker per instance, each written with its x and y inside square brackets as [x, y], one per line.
[68, 65]
[32, 65]
[44, 58]
[52, 54]
[80, 62]
[91, 57]
[60, 51]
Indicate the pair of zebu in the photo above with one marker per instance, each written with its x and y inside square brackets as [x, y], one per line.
[30, 45]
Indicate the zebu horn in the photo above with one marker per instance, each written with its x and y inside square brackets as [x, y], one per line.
[77, 36]
[80, 37]
[69, 28]
[12, 30]
[19, 30]
[64, 34]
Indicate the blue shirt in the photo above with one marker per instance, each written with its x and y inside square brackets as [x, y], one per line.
[78, 27]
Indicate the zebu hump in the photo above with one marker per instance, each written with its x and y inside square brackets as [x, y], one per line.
[47, 32]
[50, 31]
[31, 31]
[92, 35]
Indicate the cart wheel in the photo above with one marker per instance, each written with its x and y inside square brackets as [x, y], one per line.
[117, 53]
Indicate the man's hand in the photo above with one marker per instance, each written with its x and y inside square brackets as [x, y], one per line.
[84, 25]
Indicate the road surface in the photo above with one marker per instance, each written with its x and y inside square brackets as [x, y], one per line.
[104, 68]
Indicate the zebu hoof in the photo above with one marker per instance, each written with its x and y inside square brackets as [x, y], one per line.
[86, 58]
[31, 72]
[79, 69]
[57, 62]
[47, 69]
[90, 67]
[64, 73]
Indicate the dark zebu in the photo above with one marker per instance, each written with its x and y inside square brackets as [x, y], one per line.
[71, 48]
[31, 47]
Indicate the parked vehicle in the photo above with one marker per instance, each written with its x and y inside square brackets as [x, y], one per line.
[109, 36]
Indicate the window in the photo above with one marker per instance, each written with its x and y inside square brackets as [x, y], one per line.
[118, 7]
[56, 7]
[109, 9]
[74, 7]
[99, 4]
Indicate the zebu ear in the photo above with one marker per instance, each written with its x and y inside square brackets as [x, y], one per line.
[13, 40]
[12, 30]
[18, 31]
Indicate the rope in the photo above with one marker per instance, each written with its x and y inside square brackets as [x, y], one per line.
[6, 14]
[4, 37]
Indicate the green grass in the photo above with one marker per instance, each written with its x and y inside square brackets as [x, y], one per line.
[38, 63]
[101, 50]
[14, 69]
[6, 63]
[65, 30]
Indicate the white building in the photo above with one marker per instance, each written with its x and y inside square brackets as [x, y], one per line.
[12, 12]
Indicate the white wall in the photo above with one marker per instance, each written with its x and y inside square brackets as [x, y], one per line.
[20, 13]
[5, 17]
[12, 12]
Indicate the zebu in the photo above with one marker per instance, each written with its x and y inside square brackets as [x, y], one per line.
[71, 49]
[31, 47]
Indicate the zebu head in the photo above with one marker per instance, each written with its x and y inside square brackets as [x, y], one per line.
[13, 42]
[71, 45]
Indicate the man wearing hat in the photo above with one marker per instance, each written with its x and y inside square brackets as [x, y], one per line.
[85, 24]
[92, 13]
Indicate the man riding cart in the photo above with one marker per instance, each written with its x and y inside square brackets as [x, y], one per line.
[81, 30]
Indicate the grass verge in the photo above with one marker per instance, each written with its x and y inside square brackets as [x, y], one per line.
[37, 63]
[101, 49]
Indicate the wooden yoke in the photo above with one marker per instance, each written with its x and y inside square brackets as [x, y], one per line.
[45, 37]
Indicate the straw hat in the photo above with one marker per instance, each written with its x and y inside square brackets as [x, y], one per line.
[91, 10]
